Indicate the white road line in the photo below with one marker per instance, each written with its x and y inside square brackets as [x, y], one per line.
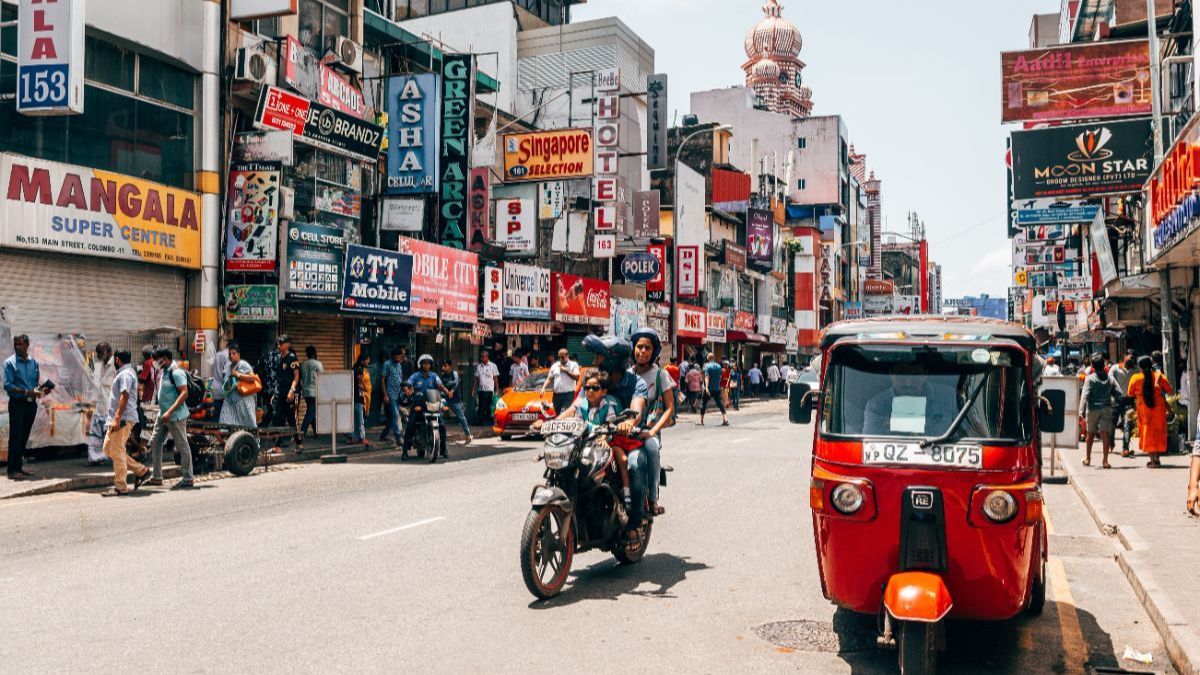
[743, 439]
[394, 530]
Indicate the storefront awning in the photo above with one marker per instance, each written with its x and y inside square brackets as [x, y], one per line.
[380, 31]
[739, 336]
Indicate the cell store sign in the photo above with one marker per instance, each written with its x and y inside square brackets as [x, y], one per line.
[377, 281]
[50, 56]
[526, 292]
[412, 132]
[314, 261]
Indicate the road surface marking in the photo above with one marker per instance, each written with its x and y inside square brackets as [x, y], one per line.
[1046, 517]
[1075, 652]
[409, 526]
[743, 439]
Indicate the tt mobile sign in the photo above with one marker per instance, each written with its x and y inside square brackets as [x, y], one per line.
[50, 57]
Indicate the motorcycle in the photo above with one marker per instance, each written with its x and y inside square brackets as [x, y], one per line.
[428, 440]
[579, 506]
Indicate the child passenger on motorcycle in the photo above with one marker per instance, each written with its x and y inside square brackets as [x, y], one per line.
[599, 408]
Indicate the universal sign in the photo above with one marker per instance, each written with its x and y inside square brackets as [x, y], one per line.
[1082, 160]
[50, 54]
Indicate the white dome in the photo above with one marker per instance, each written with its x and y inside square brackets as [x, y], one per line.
[774, 35]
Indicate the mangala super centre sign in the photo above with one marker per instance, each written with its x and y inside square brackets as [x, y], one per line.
[64, 208]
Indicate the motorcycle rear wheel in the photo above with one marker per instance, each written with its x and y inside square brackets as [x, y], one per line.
[547, 545]
[628, 557]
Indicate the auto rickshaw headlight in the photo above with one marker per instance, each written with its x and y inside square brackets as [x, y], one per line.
[846, 498]
[999, 506]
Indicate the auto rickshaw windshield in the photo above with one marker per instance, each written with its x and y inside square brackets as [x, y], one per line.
[918, 391]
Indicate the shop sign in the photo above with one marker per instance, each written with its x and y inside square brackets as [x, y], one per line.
[541, 155]
[604, 246]
[627, 317]
[264, 146]
[301, 68]
[1098, 232]
[1050, 307]
[1082, 160]
[339, 94]
[256, 303]
[1049, 211]
[687, 269]
[528, 328]
[1102, 79]
[879, 287]
[792, 341]
[908, 305]
[377, 281]
[879, 305]
[640, 267]
[717, 323]
[443, 278]
[314, 260]
[1044, 233]
[647, 207]
[526, 292]
[580, 299]
[691, 321]
[1174, 207]
[318, 125]
[743, 321]
[253, 218]
[412, 134]
[458, 103]
[516, 225]
[50, 57]
[735, 256]
[854, 310]
[64, 208]
[479, 207]
[760, 238]
[656, 122]
[402, 215]
[826, 273]
[481, 331]
[247, 10]
[338, 200]
[552, 197]
[778, 331]
[658, 283]
[493, 293]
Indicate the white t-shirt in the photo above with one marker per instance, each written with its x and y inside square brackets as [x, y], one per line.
[487, 373]
[773, 373]
[518, 372]
[564, 384]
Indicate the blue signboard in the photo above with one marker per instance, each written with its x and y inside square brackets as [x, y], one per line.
[376, 281]
[639, 267]
[314, 261]
[412, 134]
[1052, 212]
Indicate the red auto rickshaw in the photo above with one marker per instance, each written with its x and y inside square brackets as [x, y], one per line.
[926, 475]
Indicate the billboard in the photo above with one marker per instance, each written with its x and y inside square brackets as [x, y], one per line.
[253, 303]
[318, 125]
[314, 261]
[412, 134]
[526, 292]
[1032, 212]
[760, 238]
[252, 222]
[443, 278]
[548, 155]
[1102, 79]
[581, 300]
[516, 225]
[1082, 160]
[377, 281]
[687, 270]
[690, 230]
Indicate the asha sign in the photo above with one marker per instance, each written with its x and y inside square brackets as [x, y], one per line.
[50, 57]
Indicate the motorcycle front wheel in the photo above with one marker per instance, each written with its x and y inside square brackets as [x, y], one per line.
[547, 548]
[435, 443]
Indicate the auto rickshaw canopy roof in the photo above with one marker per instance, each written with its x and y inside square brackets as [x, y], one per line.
[926, 329]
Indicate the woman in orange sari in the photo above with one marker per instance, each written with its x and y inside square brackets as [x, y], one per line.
[1150, 389]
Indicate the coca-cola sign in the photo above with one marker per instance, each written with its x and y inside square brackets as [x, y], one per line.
[581, 300]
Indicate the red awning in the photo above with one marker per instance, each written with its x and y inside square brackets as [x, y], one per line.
[737, 335]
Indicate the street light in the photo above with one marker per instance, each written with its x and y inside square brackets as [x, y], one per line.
[675, 226]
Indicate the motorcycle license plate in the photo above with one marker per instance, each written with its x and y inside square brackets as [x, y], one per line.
[949, 455]
[524, 417]
[572, 425]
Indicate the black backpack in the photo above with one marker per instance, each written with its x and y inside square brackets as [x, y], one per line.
[195, 389]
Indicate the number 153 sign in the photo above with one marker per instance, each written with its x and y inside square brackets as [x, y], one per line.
[50, 55]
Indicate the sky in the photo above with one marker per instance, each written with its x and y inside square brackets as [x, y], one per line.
[918, 84]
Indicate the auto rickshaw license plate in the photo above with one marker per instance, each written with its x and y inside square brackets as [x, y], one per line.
[952, 455]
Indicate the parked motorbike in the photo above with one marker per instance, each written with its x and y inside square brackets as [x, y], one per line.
[579, 506]
[428, 439]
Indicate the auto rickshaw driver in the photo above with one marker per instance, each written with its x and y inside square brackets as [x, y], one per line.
[914, 404]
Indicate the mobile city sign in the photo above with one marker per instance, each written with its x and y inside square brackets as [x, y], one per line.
[50, 55]
[1173, 206]
[1103, 79]
[1082, 160]
[412, 133]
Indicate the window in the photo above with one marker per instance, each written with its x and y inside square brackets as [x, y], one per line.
[166, 83]
[322, 22]
[268, 27]
[800, 184]
[801, 143]
[109, 64]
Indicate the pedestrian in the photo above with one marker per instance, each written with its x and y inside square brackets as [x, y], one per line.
[362, 397]
[1150, 388]
[672, 369]
[695, 385]
[21, 377]
[487, 382]
[1120, 373]
[240, 409]
[220, 370]
[119, 420]
[712, 389]
[735, 385]
[1157, 357]
[518, 371]
[104, 373]
[147, 377]
[268, 371]
[309, 370]
[726, 374]
[1051, 369]
[774, 377]
[172, 418]
[391, 379]
[287, 394]
[534, 363]
[756, 377]
[1099, 392]
[563, 380]
[785, 372]
[453, 383]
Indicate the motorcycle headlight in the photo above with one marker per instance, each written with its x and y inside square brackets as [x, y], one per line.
[846, 498]
[501, 405]
[556, 458]
[999, 506]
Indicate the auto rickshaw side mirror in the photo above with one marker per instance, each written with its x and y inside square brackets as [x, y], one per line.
[1052, 407]
[801, 401]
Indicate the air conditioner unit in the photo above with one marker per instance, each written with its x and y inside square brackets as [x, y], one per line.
[254, 64]
[349, 54]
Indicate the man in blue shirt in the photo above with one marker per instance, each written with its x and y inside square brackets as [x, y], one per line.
[712, 389]
[21, 383]
[453, 382]
[393, 375]
[172, 418]
[421, 381]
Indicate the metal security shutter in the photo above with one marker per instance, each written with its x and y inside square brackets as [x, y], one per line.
[326, 332]
[120, 302]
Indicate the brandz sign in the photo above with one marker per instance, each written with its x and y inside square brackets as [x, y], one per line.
[1082, 160]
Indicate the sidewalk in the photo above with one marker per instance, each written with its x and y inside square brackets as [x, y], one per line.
[1144, 510]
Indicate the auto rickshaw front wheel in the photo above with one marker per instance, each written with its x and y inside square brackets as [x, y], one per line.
[1037, 594]
[918, 647]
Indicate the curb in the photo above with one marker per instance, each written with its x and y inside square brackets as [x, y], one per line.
[81, 483]
[1181, 641]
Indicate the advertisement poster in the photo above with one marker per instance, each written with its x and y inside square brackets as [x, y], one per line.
[580, 300]
[626, 317]
[337, 93]
[252, 303]
[338, 200]
[1102, 79]
[647, 206]
[314, 261]
[687, 269]
[691, 322]
[479, 207]
[458, 95]
[412, 133]
[264, 146]
[49, 206]
[377, 281]
[717, 323]
[444, 278]
[403, 215]
[516, 225]
[760, 238]
[743, 321]
[493, 293]
[252, 223]
[552, 196]
[526, 292]
[658, 283]
[548, 155]
[318, 125]
[1082, 160]
[1046, 211]
[657, 123]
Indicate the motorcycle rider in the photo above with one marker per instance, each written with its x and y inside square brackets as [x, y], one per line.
[660, 404]
[421, 381]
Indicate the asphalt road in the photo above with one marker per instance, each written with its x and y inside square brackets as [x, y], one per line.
[380, 566]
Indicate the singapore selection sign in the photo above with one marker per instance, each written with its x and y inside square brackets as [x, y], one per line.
[1082, 160]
